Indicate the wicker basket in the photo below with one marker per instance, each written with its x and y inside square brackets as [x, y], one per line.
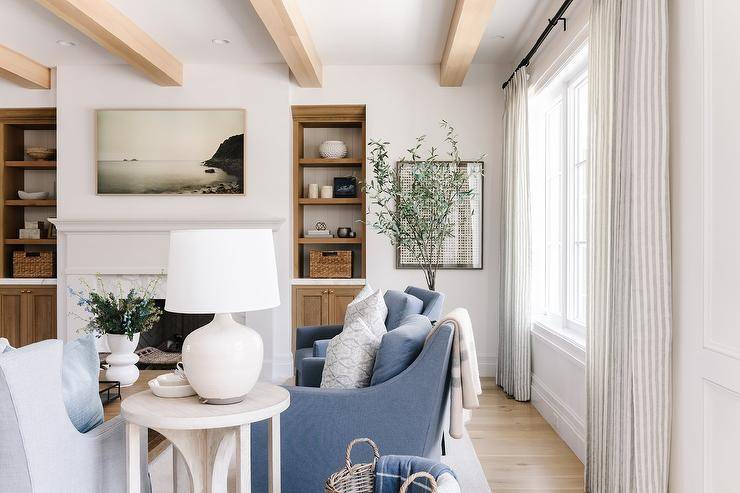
[33, 264]
[410, 480]
[358, 478]
[334, 264]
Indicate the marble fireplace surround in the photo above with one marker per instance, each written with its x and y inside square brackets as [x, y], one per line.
[133, 252]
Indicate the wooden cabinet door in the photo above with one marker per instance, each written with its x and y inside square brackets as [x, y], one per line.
[42, 313]
[12, 316]
[339, 298]
[311, 306]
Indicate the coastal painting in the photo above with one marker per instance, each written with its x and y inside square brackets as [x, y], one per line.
[170, 152]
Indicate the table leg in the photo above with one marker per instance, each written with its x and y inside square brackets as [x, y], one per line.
[207, 454]
[274, 451]
[133, 458]
[243, 460]
[177, 485]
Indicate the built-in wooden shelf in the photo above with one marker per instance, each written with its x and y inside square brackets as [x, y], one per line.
[348, 201]
[32, 164]
[42, 241]
[324, 162]
[330, 241]
[31, 203]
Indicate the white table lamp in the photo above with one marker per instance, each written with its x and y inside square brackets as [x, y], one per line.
[222, 271]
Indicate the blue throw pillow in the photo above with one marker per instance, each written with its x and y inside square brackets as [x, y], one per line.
[400, 305]
[399, 348]
[80, 368]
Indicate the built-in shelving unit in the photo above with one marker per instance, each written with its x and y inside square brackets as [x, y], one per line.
[324, 301]
[313, 125]
[19, 130]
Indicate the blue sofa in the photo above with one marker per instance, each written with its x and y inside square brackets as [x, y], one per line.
[403, 415]
[311, 342]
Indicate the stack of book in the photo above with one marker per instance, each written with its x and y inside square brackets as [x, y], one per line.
[319, 233]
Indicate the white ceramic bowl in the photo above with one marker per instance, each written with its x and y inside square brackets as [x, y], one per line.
[171, 388]
[333, 149]
[32, 195]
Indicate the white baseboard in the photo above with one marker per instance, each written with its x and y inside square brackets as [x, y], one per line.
[566, 423]
[487, 364]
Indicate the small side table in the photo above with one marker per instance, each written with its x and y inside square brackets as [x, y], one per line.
[205, 435]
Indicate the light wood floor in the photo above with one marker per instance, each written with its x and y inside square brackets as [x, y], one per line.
[518, 449]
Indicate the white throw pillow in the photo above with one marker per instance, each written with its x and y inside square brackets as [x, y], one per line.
[350, 355]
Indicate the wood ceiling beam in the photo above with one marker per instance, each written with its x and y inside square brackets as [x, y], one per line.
[288, 29]
[115, 32]
[469, 21]
[23, 71]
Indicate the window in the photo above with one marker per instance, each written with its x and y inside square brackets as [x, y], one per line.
[559, 160]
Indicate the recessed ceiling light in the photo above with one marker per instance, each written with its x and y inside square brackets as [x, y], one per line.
[219, 41]
[67, 44]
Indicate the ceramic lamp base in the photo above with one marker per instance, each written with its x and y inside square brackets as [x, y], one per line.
[222, 360]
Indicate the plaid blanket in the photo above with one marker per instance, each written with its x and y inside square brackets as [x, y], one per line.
[465, 380]
[392, 470]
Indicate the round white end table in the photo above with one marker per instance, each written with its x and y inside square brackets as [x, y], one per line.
[206, 435]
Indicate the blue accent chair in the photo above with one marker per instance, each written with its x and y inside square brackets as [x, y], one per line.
[311, 342]
[404, 415]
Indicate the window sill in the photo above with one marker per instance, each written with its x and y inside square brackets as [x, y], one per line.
[569, 341]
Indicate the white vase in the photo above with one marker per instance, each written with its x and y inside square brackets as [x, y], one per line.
[222, 360]
[333, 149]
[122, 359]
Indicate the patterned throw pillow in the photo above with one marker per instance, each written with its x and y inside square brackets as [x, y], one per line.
[351, 354]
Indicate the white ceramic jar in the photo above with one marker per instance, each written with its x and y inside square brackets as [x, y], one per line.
[333, 149]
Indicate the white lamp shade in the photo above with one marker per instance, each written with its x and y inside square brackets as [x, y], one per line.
[221, 271]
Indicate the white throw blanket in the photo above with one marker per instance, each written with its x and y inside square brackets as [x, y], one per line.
[464, 378]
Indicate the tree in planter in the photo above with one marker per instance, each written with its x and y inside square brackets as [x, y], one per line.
[418, 216]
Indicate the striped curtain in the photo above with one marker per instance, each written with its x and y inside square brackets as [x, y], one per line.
[629, 315]
[514, 371]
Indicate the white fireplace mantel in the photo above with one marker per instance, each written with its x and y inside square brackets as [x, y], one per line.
[162, 225]
[122, 248]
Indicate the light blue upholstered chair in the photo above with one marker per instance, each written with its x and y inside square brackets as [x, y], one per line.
[40, 450]
[311, 342]
[404, 415]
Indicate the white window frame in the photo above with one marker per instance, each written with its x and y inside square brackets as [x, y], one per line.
[561, 90]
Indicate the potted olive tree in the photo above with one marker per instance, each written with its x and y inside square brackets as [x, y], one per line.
[121, 317]
[418, 215]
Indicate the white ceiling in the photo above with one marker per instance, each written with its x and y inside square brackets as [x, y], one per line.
[346, 32]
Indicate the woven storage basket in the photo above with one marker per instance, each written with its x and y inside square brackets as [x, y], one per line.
[410, 480]
[358, 478]
[335, 263]
[33, 264]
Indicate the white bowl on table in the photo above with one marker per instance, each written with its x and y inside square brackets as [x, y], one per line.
[171, 385]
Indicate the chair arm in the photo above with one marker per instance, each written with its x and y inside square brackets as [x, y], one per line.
[320, 347]
[306, 336]
[109, 439]
[312, 370]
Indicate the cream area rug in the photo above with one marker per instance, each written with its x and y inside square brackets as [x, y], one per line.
[460, 457]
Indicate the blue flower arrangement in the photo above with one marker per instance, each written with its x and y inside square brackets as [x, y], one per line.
[122, 313]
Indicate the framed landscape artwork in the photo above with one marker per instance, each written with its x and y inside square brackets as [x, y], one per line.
[170, 152]
[465, 249]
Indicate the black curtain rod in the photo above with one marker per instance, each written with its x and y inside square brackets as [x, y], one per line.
[551, 23]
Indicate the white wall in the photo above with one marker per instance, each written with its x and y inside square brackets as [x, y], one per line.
[404, 102]
[15, 96]
[704, 104]
[261, 89]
